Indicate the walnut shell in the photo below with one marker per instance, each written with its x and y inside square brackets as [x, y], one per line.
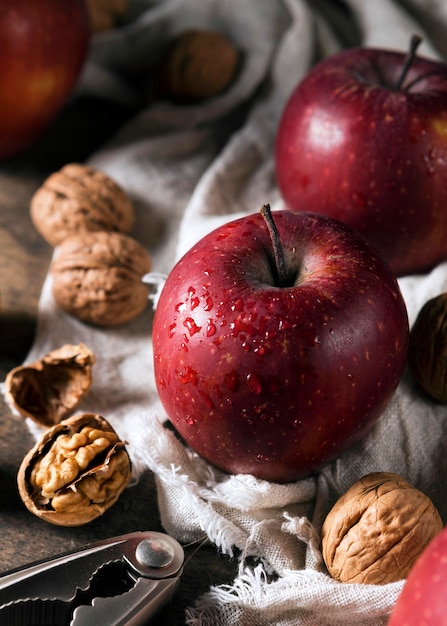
[97, 277]
[377, 529]
[79, 198]
[76, 472]
[106, 14]
[52, 387]
[197, 65]
[427, 350]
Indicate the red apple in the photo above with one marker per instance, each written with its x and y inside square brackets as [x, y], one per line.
[363, 138]
[423, 601]
[43, 46]
[276, 379]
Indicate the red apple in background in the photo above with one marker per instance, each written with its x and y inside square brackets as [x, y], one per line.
[363, 138]
[43, 45]
[423, 601]
[276, 377]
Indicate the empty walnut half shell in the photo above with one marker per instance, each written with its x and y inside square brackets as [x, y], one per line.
[377, 529]
[79, 198]
[97, 277]
[52, 387]
[427, 351]
[76, 472]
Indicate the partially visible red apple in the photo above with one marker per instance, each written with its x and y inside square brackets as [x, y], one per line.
[43, 45]
[363, 138]
[276, 377]
[423, 601]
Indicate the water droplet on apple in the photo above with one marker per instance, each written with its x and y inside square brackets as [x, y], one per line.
[208, 303]
[254, 382]
[190, 420]
[262, 350]
[189, 375]
[232, 380]
[192, 327]
[210, 328]
[237, 305]
[285, 324]
[171, 330]
[207, 400]
[194, 303]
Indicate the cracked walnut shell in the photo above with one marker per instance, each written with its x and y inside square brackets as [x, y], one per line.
[52, 387]
[76, 472]
[197, 65]
[427, 350]
[377, 529]
[79, 198]
[97, 277]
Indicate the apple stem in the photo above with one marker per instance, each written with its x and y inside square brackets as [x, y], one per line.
[415, 41]
[276, 244]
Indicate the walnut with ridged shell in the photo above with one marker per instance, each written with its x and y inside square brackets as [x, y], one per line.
[198, 64]
[79, 198]
[375, 532]
[97, 277]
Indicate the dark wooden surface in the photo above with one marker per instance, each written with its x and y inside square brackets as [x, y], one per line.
[24, 259]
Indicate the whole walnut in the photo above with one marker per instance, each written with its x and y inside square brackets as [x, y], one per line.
[377, 529]
[197, 65]
[427, 350]
[79, 198]
[97, 277]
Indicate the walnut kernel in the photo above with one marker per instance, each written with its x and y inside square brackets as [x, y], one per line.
[75, 472]
[79, 198]
[97, 277]
[197, 65]
[52, 387]
[427, 350]
[377, 529]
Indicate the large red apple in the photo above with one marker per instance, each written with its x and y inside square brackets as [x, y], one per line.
[363, 138]
[43, 45]
[423, 601]
[276, 379]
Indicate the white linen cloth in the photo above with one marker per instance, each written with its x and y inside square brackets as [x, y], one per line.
[189, 169]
